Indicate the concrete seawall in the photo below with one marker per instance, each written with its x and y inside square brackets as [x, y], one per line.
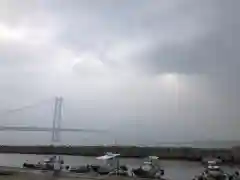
[181, 153]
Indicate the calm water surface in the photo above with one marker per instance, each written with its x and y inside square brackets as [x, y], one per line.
[176, 170]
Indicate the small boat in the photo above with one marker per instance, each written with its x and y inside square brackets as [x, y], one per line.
[46, 164]
[210, 160]
[111, 165]
[234, 176]
[150, 169]
[213, 172]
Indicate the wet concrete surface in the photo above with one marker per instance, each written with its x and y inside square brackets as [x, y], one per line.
[48, 176]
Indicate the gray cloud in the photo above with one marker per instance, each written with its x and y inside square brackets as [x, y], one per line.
[213, 51]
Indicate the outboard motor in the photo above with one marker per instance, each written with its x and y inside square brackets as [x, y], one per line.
[25, 165]
[140, 172]
[67, 167]
[162, 172]
[234, 176]
[49, 166]
[95, 168]
[124, 168]
[28, 165]
[230, 177]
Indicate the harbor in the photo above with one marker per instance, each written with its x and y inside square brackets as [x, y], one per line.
[174, 169]
[59, 161]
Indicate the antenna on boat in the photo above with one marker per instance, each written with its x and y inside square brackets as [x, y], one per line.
[115, 142]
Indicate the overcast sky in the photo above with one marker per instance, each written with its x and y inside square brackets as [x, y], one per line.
[151, 70]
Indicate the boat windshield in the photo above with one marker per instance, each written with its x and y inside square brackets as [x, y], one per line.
[212, 162]
[214, 168]
[146, 167]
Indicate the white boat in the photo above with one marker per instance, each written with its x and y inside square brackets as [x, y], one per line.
[108, 156]
[45, 164]
[111, 165]
[150, 169]
[213, 172]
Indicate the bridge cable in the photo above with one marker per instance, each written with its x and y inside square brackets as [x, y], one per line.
[30, 106]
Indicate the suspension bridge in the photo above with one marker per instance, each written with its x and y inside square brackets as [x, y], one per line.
[56, 128]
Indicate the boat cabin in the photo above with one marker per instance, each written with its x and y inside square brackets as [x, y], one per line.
[110, 159]
[150, 168]
[214, 168]
[108, 156]
[211, 161]
[152, 161]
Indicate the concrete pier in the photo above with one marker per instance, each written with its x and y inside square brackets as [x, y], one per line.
[26, 174]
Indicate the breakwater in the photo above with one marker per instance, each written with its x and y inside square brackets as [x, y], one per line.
[180, 153]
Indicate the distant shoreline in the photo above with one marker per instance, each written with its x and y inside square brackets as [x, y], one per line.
[231, 155]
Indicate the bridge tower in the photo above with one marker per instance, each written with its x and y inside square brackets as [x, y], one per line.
[57, 120]
[56, 128]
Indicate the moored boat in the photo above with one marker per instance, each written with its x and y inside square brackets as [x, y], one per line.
[213, 172]
[150, 169]
[46, 164]
[111, 166]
